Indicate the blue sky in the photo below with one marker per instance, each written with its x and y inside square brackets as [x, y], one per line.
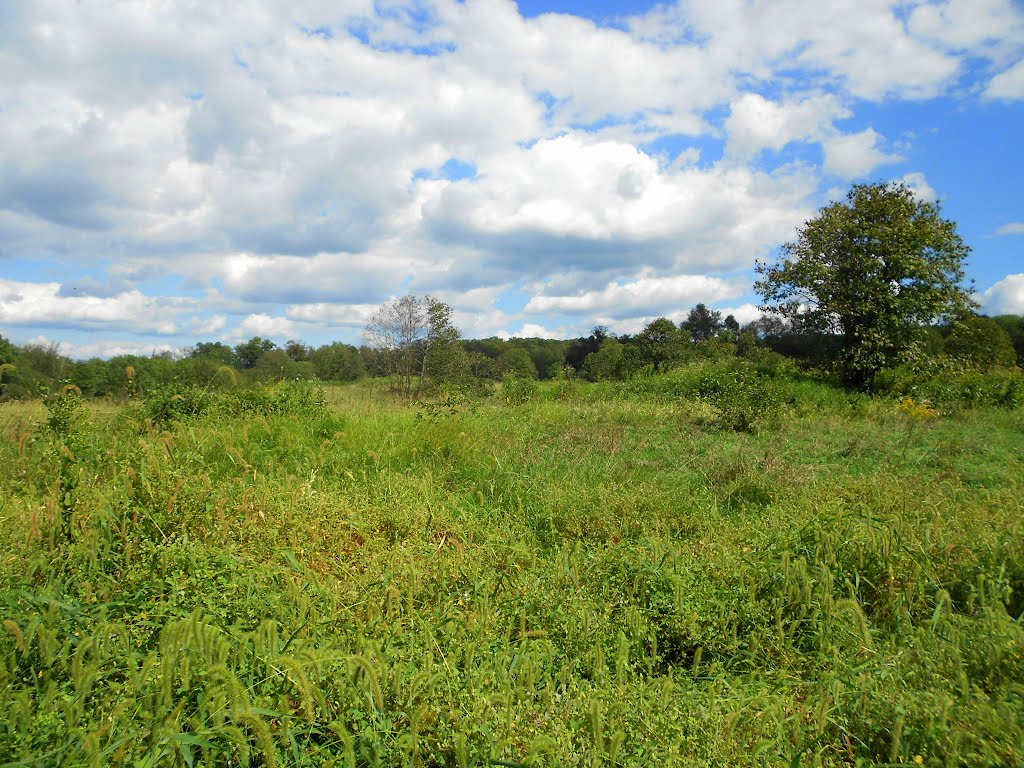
[173, 174]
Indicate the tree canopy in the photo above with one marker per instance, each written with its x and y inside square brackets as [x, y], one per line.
[249, 353]
[703, 323]
[337, 362]
[873, 271]
[663, 345]
[1014, 326]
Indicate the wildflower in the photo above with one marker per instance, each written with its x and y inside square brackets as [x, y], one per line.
[918, 409]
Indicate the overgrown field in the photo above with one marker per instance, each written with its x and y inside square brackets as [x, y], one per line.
[653, 574]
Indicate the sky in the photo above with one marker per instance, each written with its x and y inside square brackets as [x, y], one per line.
[175, 172]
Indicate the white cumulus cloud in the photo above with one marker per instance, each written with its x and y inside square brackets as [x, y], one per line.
[645, 294]
[581, 202]
[1005, 297]
[1008, 85]
[263, 325]
[855, 155]
[36, 304]
[917, 182]
[757, 123]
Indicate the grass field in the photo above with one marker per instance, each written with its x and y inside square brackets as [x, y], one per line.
[590, 575]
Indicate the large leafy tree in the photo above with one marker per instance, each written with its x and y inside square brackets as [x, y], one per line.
[872, 271]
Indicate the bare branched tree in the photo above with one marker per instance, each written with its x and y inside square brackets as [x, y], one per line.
[417, 340]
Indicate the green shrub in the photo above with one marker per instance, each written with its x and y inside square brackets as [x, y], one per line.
[295, 398]
[167, 403]
[740, 397]
[770, 363]
[518, 390]
[981, 343]
[950, 386]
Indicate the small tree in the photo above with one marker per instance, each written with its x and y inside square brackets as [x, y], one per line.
[607, 363]
[731, 327]
[577, 351]
[416, 341]
[703, 323]
[297, 351]
[872, 271]
[215, 350]
[766, 327]
[663, 345]
[274, 365]
[250, 352]
[395, 330]
[444, 358]
[337, 362]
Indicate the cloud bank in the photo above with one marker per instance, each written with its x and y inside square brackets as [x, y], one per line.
[173, 170]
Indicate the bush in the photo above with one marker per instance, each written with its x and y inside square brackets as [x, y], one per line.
[767, 362]
[951, 386]
[167, 403]
[518, 390]
[740, 397]
[293, 398]
[981, 343]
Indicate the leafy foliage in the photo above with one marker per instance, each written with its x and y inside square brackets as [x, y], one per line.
[216, 351]
[417, 343]
[517, 390]
[1014, 327]
[608, 363]
[663, 345]
[249, 353]
[872, 270]
[950, 386]
[980, 342]
[516, 361]
[337, 362]
[703, 323]
[294, 398]
[741, 398]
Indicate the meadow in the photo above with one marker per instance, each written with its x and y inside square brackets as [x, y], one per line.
[673, 571]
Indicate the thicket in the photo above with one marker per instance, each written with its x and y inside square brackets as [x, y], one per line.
[724, 564]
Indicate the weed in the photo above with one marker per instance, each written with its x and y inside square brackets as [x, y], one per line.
[257, 577]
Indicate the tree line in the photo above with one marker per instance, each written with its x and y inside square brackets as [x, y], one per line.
[420, 366]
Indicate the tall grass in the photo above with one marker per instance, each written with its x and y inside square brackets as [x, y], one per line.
[596, 575]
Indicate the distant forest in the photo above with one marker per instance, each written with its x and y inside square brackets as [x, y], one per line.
[446, 360]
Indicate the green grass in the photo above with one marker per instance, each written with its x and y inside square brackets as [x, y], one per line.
[601, 575]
